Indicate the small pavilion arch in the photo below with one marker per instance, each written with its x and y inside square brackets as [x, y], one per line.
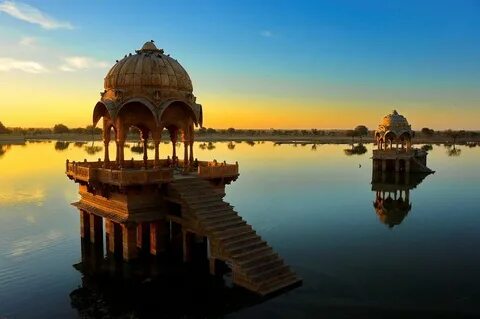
[389, 137]
[406, 140]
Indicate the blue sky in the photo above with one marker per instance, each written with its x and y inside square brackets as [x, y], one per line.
[318, 56]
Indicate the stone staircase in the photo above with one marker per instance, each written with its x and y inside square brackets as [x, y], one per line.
[255, 266]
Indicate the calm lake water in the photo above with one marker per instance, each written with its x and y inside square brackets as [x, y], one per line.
[314, 206]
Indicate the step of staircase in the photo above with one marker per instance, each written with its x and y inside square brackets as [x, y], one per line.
[258, 267]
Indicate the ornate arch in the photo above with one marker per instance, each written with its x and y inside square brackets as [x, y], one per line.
[143, 101]
[195, 110]
[100, 110]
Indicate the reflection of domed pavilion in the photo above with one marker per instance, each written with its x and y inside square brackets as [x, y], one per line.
[395, 153]
[392, 195]
[166, 205]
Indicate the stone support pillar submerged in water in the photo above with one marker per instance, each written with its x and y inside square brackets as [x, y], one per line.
[129, 241]
[96, 229]
[158, 237]
[84, 224]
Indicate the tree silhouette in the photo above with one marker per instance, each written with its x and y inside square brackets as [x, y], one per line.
[427, 131]
[454, 135]
[3, 129]
[352, 134]
[361, 131]
[60, 129]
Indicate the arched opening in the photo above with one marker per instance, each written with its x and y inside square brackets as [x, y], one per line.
[101, 112]
[390, 138]
[379, 140]
[406, 140]
[179, 118]
[139, 115]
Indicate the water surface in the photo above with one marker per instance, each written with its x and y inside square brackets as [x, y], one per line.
[313, 204]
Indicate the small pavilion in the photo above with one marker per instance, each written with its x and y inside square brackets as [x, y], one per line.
[166, 206]
[394, 151]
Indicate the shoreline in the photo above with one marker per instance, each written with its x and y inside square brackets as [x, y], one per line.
[13, 139]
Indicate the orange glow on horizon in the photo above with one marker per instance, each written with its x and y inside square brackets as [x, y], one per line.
[43, 107]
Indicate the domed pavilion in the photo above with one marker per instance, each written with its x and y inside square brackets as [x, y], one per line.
[151, 91]
[393, 131]
[394, 152]
[165, 206]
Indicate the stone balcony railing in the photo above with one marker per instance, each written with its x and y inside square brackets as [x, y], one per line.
[134, 172]
[95, 172]
[217, 170]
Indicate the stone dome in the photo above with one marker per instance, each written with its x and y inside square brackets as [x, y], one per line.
[394, 123]
[148, 72]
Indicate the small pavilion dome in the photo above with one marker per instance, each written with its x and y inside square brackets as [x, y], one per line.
[393, 127]
[394, 123]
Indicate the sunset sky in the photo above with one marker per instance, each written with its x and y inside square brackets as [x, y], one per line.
[254, 64]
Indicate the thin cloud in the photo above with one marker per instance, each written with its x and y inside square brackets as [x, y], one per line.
[9, 64]
[31, 14]
[28, 41]
[266, 33]
[76, 63]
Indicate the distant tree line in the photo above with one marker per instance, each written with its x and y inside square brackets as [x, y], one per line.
[360, 131]
[57, 129]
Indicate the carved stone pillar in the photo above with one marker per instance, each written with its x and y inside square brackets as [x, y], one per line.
[129, 241]
[145, 147]
[190, 160]
[96, 229]
[120, 151]
[84, 224]
[143, 236]
[159, 235]
[156, 160]
[106, 157]
[110, 236]
[173, 138]
[185, 154]
[187, 253]
[212, 265]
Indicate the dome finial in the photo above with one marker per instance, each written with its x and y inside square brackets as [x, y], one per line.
[394, 112]
[149, 47]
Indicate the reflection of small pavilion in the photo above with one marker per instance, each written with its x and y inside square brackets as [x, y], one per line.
[395, 153]
[392, 195]
[166, 204]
